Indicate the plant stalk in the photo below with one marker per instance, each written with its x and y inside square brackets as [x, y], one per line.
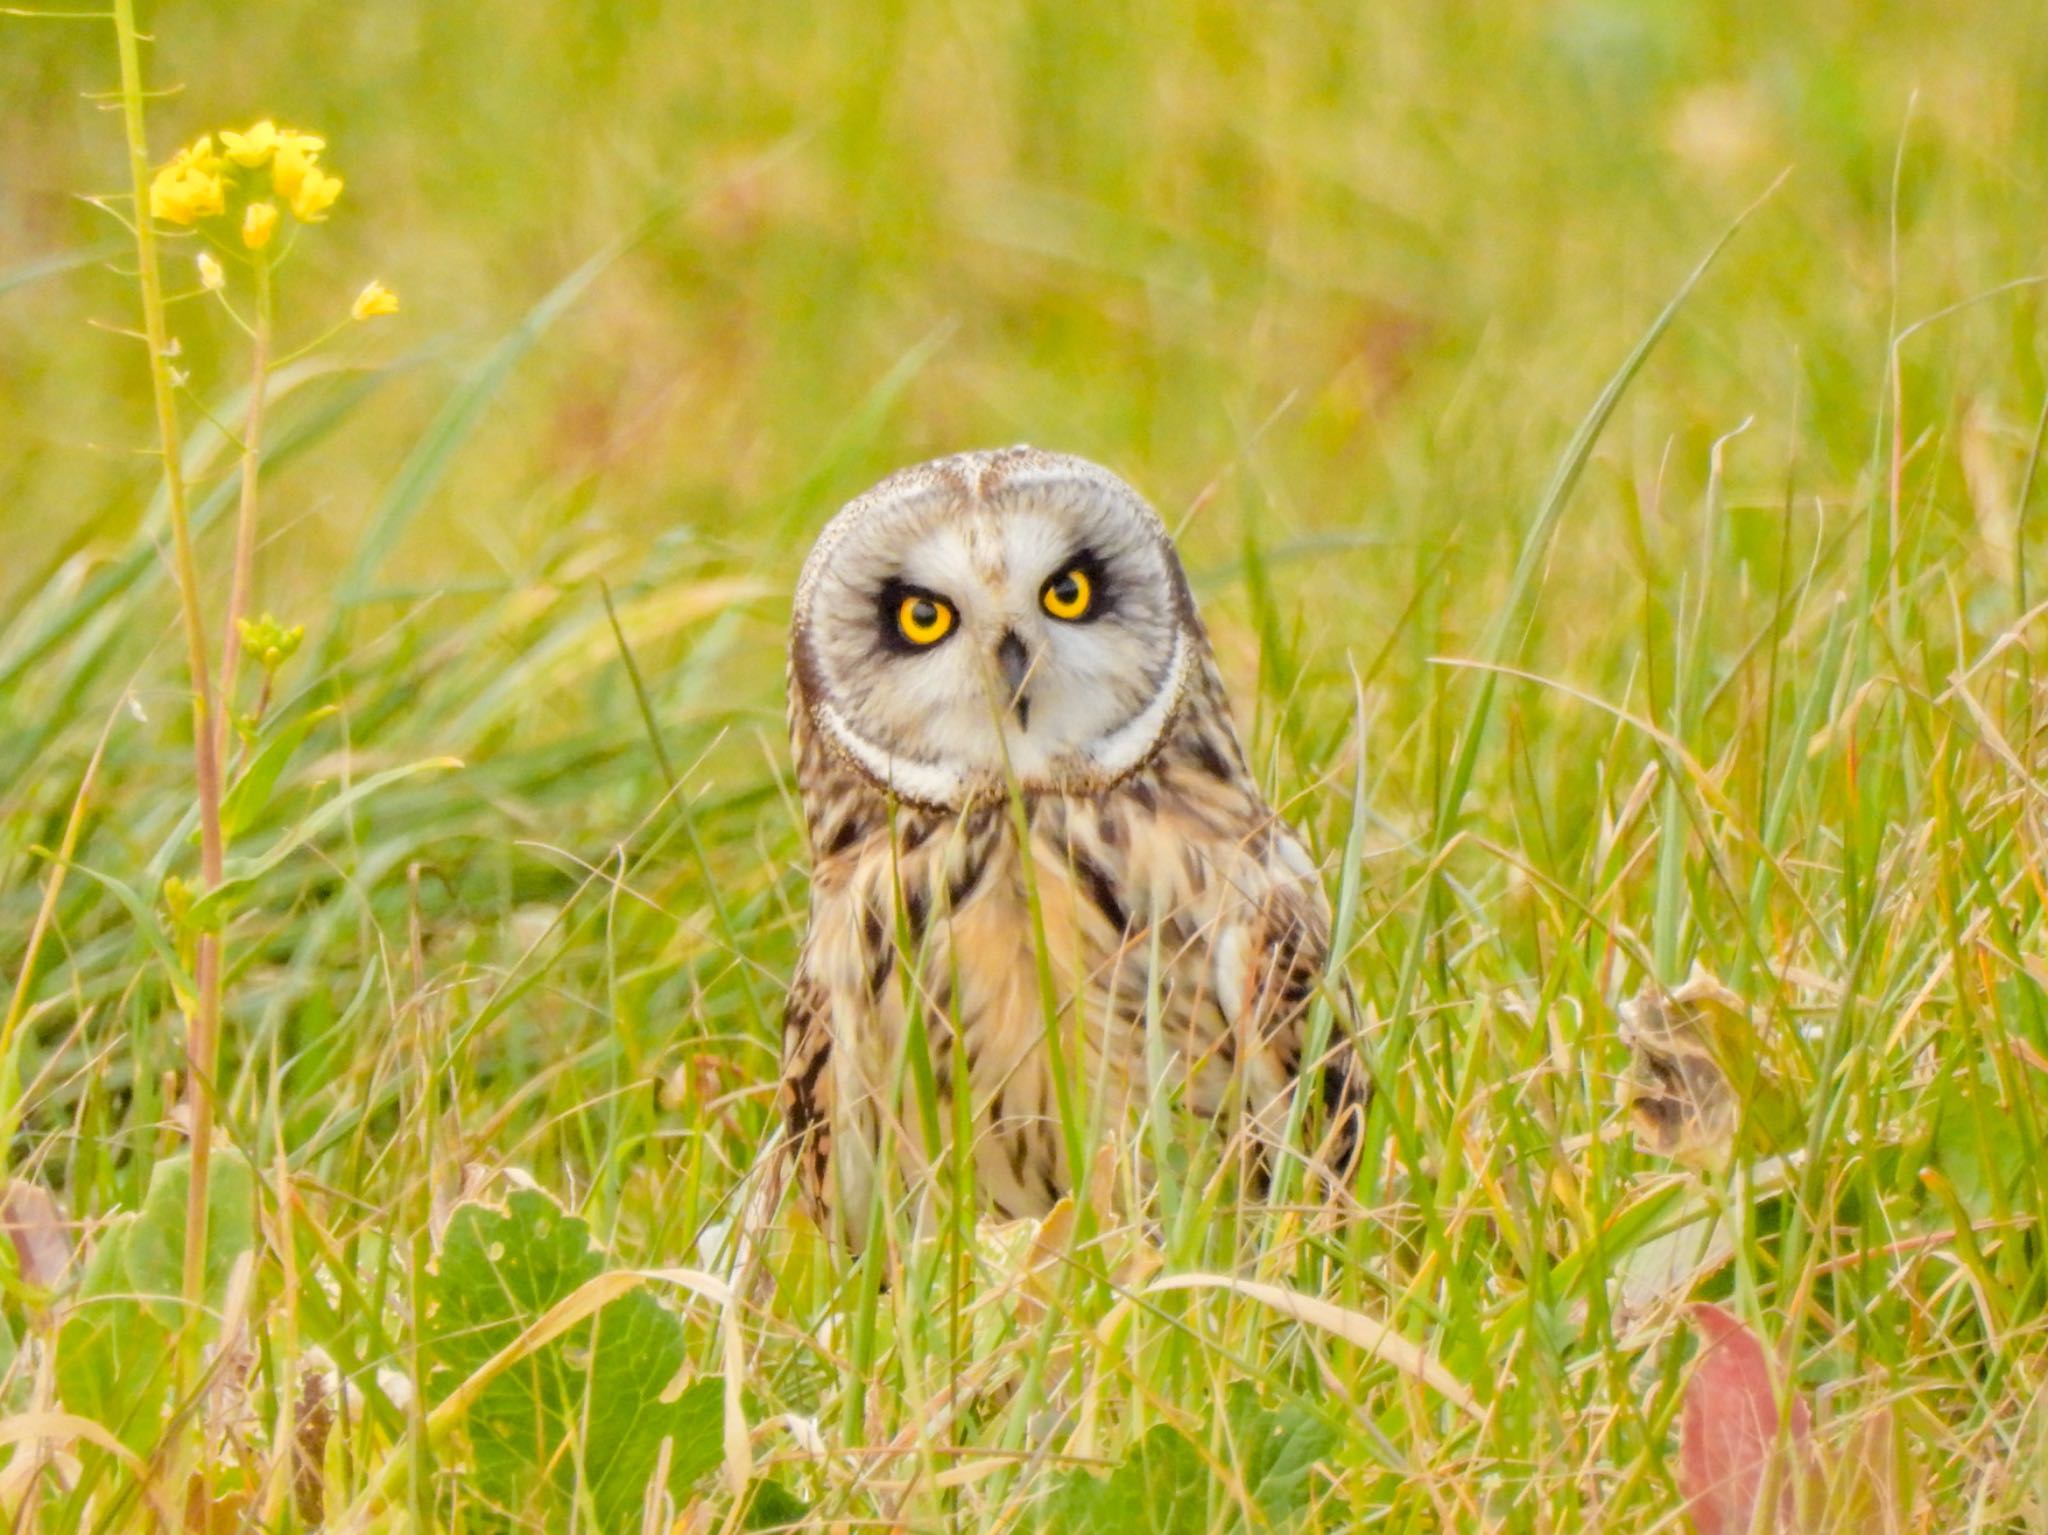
[204, 1026]
[245, 512]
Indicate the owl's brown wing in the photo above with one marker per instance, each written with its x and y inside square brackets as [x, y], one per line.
[1271, 963]
[1188, 845]
[829, 1012]
[839, 1027]
[807, 1091]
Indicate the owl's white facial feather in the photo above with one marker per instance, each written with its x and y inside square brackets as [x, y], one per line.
[985, 533]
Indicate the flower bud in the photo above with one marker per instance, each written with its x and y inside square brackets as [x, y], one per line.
[258, 224]
[375, 299]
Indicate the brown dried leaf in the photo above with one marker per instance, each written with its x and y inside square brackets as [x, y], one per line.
[42, 1246]
[225, 1513]
[1695, 1079]
[312, 1420]
[1677, 1094]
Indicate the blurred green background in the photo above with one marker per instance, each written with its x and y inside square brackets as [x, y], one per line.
[1340, 268]
[1330, 284]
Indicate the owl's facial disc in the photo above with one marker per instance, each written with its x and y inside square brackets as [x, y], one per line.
[994, 616]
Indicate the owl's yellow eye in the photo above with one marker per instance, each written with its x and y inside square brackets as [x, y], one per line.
[1068, 596]
[924, 620]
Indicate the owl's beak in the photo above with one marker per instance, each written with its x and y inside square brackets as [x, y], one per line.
[1015, 662]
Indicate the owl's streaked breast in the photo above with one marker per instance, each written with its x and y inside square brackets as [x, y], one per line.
[1170, 892]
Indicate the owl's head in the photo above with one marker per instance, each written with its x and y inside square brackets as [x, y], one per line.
[997, 614]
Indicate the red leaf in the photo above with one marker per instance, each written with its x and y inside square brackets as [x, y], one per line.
[1728, 1432]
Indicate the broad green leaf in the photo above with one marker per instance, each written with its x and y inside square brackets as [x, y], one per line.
[585, 1416]
[1162, 1488]
[1166, 1484]
[1277, 1452]
[113, 1356]
[772, 1506]
[1977, 1146]
[156, 1242]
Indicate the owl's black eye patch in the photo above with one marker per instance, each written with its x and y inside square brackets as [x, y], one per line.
[1080, 590]
[912, 618]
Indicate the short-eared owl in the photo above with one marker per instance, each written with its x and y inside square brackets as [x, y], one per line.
[1017, 622]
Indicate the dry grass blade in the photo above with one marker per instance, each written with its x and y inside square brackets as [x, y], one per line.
[1354, 1327]
[66, 1426]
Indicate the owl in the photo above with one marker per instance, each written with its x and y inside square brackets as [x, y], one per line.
[1042, 877]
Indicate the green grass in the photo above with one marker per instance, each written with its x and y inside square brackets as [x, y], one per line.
[1740, 675]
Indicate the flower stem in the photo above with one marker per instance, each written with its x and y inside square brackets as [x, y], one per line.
[245, 516]
[204, 1026]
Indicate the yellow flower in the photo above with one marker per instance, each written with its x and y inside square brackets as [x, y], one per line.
[258, 223]
[374, 300]
[295, 156]
[188, 187]
[184, 194]
[211, 277]
[199, 156]
[315, 195]
[251, 148]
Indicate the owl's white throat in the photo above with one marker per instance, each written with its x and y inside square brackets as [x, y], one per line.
[1037, 765]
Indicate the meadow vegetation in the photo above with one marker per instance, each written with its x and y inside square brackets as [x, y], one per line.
[1643, 642]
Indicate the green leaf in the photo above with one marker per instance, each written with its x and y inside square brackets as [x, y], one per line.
[772, 1506]
[1162, 1488]
[98, 608]
[1512, 613]
[250, 796]
[241, 873]
[1277, 1452]
[143, 916]
[583, 1417]
[156, 1242]
[1977, 1145]
[16, 1396]
[1166, 1485]
[113, 1356]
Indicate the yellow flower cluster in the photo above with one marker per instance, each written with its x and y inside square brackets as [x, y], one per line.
[246, 180]
[194, 184]
[269, 643]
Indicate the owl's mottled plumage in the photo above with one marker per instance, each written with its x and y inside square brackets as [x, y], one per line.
[1147, 840]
